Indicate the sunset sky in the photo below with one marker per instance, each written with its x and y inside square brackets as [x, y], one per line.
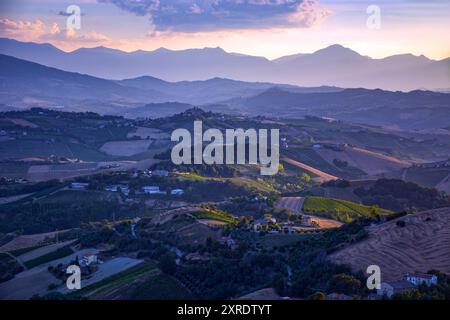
[270, 28]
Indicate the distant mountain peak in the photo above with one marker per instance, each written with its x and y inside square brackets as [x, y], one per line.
[337, 50]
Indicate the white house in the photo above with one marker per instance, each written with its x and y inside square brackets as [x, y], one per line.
[112, 188]
[152, 190]
[177, 192]
[79, 185]
[88, 259]
[420, 278]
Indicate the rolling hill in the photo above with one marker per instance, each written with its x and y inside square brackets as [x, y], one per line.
[340, 210]
[412, 110]
[21, 80]
[421, 245]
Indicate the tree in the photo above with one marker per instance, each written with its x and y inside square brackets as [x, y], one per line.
[278, 284]
[344, 283]
[401, 223]
[167, 264]
[317, 296]
[305, 177]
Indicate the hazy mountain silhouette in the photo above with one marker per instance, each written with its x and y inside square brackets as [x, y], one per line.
[331, 66]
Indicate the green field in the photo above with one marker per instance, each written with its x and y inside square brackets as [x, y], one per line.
[57, 254]
[340, 210]
[161, 287]
[22, 251]
[102, 288]
[215, 215]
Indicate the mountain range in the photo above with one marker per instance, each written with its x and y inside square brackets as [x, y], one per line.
[25, 84]
[331, 66]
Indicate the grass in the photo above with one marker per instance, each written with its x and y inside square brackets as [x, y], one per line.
[429, 177]
[215, 215]
[255, 184]
[340, 210]
[57, 254]
[22, 251]
[122, 278]
[41, 194]
[161, 287]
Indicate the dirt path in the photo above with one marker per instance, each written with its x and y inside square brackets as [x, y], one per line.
[293, 204]
[18, 260]
[444, 185]
[322, 176]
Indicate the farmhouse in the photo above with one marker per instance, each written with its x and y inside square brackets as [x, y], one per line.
[266, 221]
[306, 221]
[421, 278]
[395, 287]
[88, 259]
[152, 190]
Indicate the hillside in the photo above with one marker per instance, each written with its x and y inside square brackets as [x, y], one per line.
[423, 244]
[20, 79]
[415, 109]
[340, 210]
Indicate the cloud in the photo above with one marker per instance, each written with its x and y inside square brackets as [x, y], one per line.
[309, 13]
[213, 15]
[38, 31]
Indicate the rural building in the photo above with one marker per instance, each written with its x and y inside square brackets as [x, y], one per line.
[306, 221]
[79, 185]
[395, 287]
[177, 192]
[88, 259]
[112, 188]
[266, 221]
[152, 190]
[421, 278]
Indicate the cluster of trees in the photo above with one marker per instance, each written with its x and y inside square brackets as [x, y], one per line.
[8, 267]
[399, 195]
[38, 217]
[340, 183]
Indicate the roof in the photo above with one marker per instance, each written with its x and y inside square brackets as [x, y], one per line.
[401, 284]
[420, 275]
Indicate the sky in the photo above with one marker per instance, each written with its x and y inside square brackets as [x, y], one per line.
[269, 28]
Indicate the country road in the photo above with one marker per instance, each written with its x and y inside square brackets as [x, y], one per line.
[322, 176]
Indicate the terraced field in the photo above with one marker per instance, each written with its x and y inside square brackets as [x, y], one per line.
[340, 210]
[421, 245]
[368, 161]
